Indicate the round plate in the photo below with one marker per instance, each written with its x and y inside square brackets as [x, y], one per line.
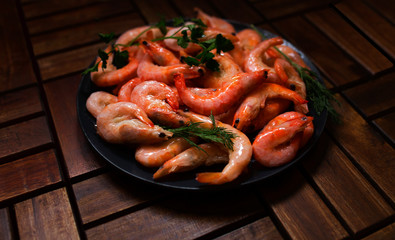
[122, 157]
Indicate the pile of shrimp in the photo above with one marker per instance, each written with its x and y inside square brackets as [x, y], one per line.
[255, 91]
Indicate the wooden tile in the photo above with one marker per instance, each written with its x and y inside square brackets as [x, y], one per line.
[384, 7]
[95, 12]
[238, 11]
[300, 210]
[154, 11]
[357, 202]
[47, 216]
[76, 150]
[23, 136]
[82, 34]
[386, 124]
[28, 174]
[366, 146]
[186, 7]
[5, 225]
[181, 217]
[350, 40]
[329, 58]
[371, 23]
[260, 229]
[16, 69]
[374, 96]
[19, 104]
[107, 194]
[387, 232]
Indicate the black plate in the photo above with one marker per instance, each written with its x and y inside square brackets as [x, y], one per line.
[122, 157]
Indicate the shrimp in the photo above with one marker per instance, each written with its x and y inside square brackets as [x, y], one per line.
[159, 102]
[255, 101]
[288, 51]
[126, 123]
[154, 155]
[110, 75]
[97, 101]
[147, 70]
[248, 40]
[279, 142]
[222, 99]
[131, 35]
[207, 155]
[254, 60]
[215, 22]
[239, 157]
[171, 43]
[161, 55]
[125, 91]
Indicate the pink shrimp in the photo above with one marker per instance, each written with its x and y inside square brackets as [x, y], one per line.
[159, 102]
[255, 101]
[161, 55]
[279, 142]
[172, 44]
[154, 155]
[111, 76]
[97, 101]
[215, 22]
[222, 99]
[125, 91]
[208, 154]
[248, 40]
[290, 52]
[254, 60]
[131, 35]
[126, 123]
[239, 157]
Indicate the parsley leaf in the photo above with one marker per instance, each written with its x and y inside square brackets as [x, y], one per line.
[223, 44]
[106, 37]
[120, 59]
[104, 57]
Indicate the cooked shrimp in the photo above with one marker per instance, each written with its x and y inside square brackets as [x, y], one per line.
[215, 22]
[97, 101]
[279, 142]
[255, 101]
[248, 40]
[159, 102]
[254, 60]
[161, 55]
[290, 52]
[125, 91]
[111, 76]
[207, 155]
[222, 99]
[172, 44]
[239, 157]
[154, 155]
[131, 35]
[126, 123]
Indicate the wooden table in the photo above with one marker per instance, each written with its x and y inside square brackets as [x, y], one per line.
[54, 186]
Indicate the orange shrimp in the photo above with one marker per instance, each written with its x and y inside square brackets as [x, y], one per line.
[171, 43]
[208, 154]
[215, 22]
[239, 157]
[280, 140]
[159, 102]
[254, 60]
[126, 123]
[97, 101]
[221, 100]
[290, 52]
[161, 55]
[255, 101]
[131, 35]
[248, 40]
[125, 91]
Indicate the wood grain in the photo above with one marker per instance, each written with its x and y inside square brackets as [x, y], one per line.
[20, 103]
[387, 232]
[357, 202]
[78, 154]
[371, 23]
[15, 69]
[238, 11]
[28, 174]
[187, 7]
[386, 124]
[23, 136]
[153, 11]
[384, 7]
[5, 225]
[330, 59]
[374, 96]
[186, 216]
[350, 40]
[46, 216]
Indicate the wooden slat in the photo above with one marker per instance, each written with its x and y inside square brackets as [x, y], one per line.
[386, 124]
[186, 7]
[19, 104]
[374, 96]
[357, 202]
[82, 34]
[385, 7]
[153, 10]
[238, 10]
[28, 174]
[23, 136]
[300, 210]
[350, 40]
[47, 216]
[384, 233]
[81, 15]
[186, 216]
[371, 23]
[329, 58]
[15, 69]
[366, 147]
[107, 194]
[5, 225]
[260, 229]
[76, 150]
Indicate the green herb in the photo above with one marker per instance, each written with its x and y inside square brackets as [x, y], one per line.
[106, 37]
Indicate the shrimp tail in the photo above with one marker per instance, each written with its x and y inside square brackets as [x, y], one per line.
[214, 178]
